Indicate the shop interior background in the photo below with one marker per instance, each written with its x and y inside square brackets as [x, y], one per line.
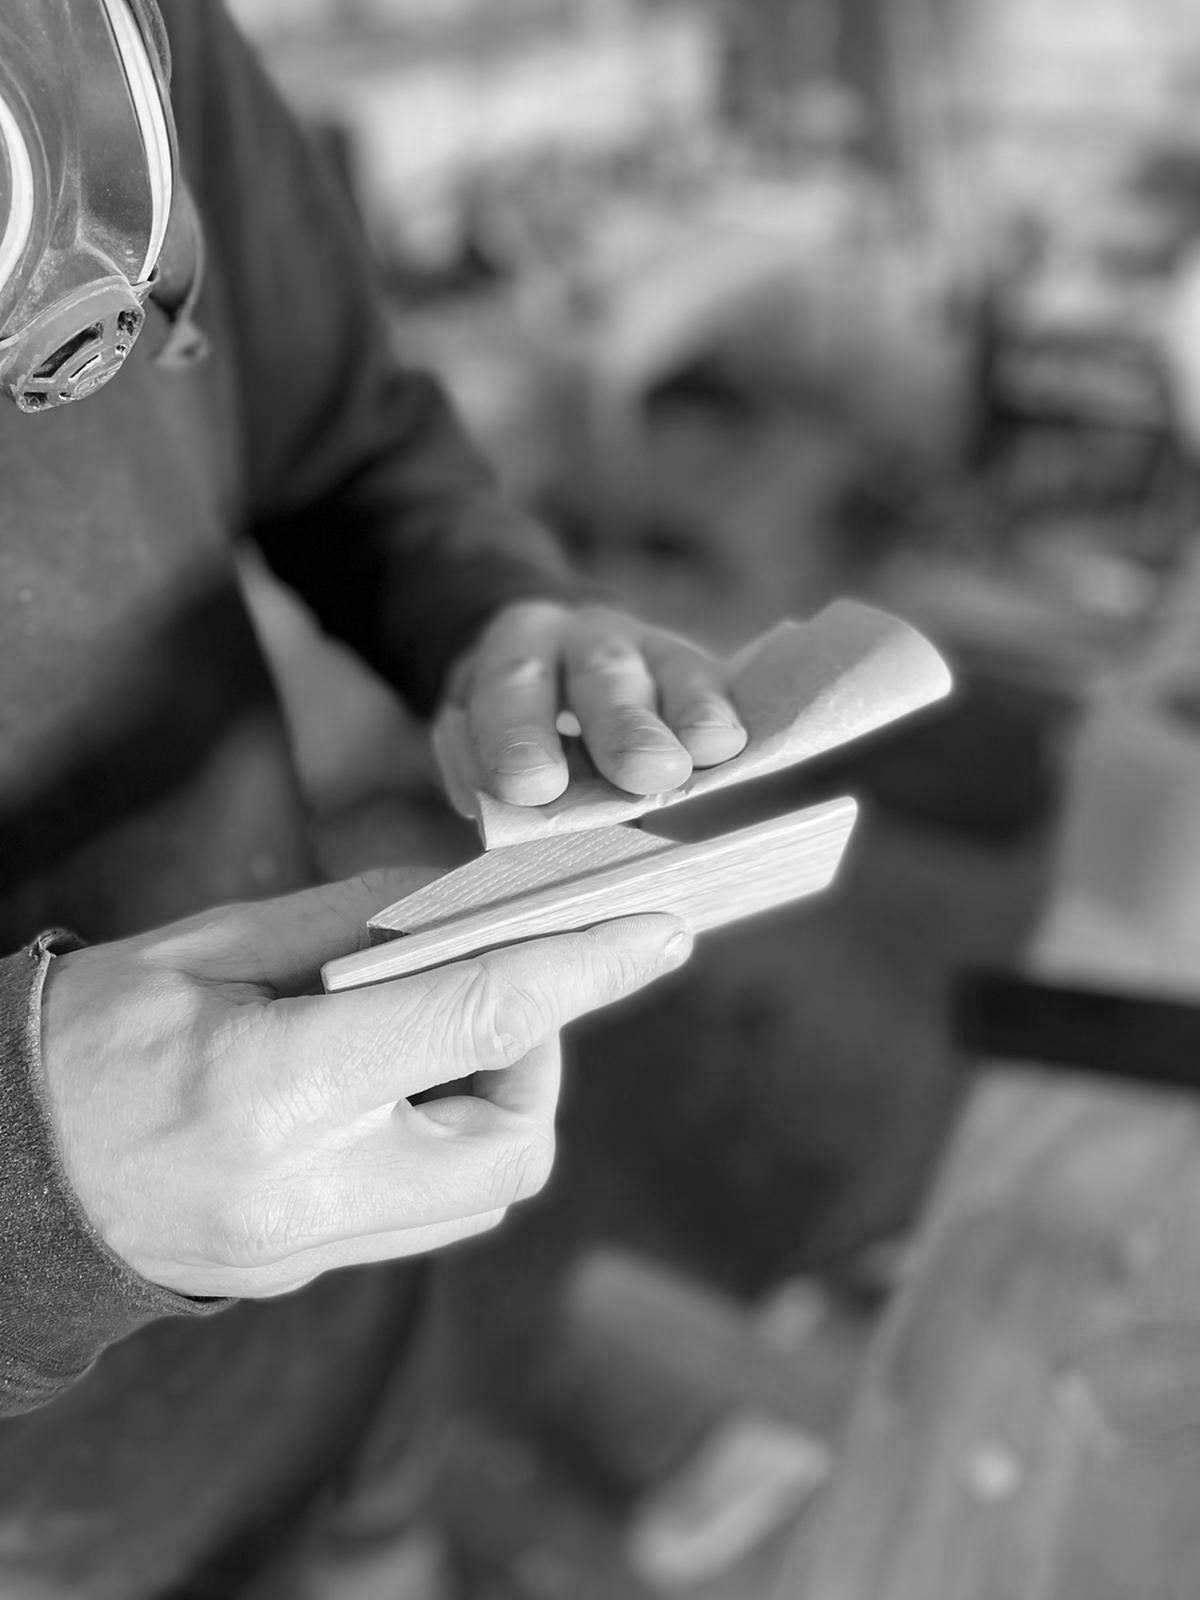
[760, 303]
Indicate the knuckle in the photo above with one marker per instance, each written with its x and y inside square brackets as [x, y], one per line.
[495, 1019]
[523, 614]
[179, 1003]
[517, 672]
[471, 1005]
[617, 666]
[608, 655]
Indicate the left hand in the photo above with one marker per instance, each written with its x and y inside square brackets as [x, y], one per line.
[650, 705]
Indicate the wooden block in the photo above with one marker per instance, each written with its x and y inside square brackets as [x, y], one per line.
[498, 877]
[802, 689]
[705, 884]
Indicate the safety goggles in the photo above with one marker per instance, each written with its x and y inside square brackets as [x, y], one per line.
[88, 173]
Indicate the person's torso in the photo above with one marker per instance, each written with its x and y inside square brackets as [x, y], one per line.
[143, 765]
[144, 774]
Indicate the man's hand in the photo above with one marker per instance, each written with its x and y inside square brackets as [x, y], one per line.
[228, 1134]
[650, 706]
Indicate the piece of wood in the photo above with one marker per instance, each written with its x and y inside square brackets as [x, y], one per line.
[497, 877]
[705, 884]
[803, 689]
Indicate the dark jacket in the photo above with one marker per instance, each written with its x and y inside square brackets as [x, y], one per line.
[144, 772]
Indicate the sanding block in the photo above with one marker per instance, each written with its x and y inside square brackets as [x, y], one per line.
[597, 853]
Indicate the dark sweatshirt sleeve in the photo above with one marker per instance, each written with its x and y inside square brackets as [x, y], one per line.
[362, 489]
[64, 1295]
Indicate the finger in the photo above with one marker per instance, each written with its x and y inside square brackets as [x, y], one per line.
[454, 749]
[334, 1057]
[693, 702]
[611, 689]
[530, 1087]
[512, 705]
[283, 943]
[459, 680]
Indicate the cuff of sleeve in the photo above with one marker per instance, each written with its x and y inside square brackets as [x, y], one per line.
[64, 1295]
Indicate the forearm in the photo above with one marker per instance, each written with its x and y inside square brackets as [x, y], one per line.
[63, 1296]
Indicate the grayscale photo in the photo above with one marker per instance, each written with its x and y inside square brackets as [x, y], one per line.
[599, 800]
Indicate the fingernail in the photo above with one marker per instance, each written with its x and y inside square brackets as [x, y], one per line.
[524, 756]
[678, 947]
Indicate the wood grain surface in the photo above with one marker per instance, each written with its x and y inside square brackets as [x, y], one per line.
[705, 884]
[496, 877]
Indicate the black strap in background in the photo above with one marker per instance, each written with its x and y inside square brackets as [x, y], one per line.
[1148, 1039]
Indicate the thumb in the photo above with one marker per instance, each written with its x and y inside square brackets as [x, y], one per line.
[283, 943]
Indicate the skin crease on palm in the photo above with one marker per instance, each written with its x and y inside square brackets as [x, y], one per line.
[227, 1130]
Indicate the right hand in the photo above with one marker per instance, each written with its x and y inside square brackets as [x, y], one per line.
[228, 1134]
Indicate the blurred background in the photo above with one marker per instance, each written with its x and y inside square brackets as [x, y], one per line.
[758, 303]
